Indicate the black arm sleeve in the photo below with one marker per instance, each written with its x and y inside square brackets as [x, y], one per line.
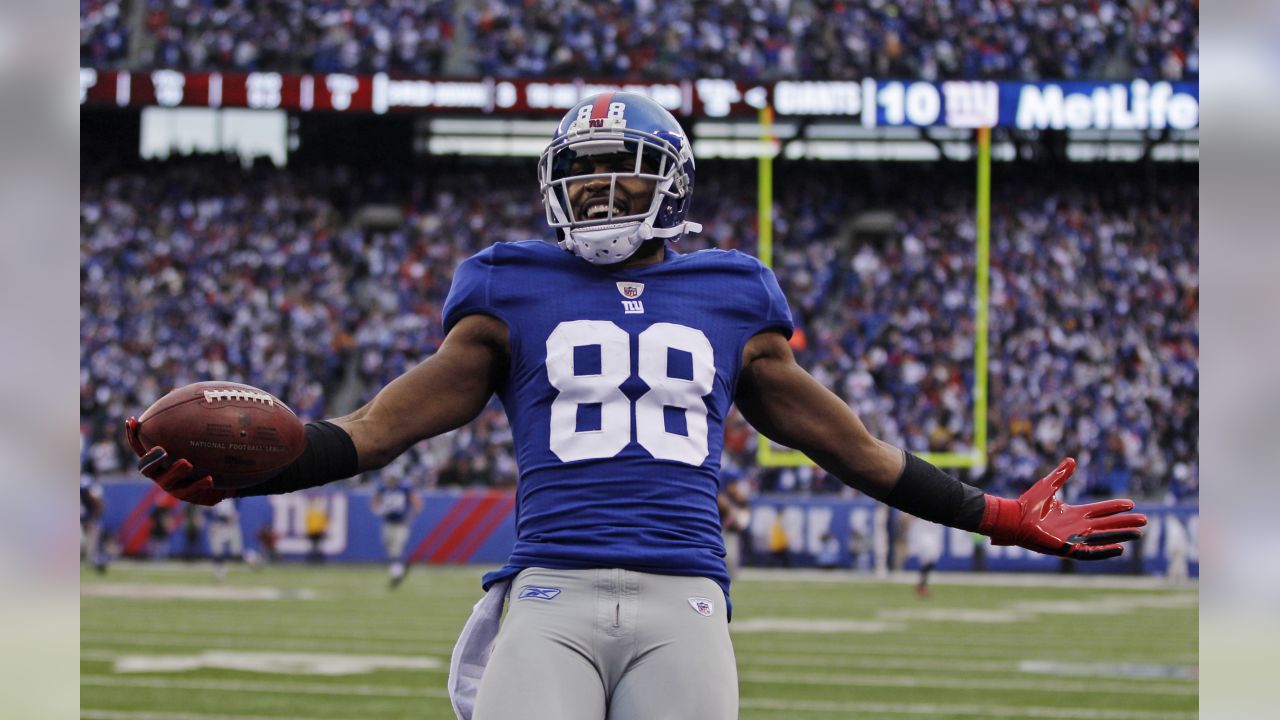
[928, 493]
[330, 455]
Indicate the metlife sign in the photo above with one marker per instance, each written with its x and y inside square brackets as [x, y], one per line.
[1138, 105]
[870, 102]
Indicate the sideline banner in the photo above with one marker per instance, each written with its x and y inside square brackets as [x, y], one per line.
[453, 528]
[478, 526]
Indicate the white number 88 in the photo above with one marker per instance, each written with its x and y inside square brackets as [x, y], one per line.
[604, 388]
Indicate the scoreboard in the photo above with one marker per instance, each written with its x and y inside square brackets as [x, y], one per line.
[1134, 105]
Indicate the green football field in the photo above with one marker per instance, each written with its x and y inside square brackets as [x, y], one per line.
[166, 642]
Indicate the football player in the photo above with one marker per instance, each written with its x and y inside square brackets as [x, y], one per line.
[396, 503]
[226, 537]
[924, 541]
[616, 359]
[92, 507]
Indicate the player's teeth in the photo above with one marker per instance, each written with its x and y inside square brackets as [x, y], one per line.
[601, 209]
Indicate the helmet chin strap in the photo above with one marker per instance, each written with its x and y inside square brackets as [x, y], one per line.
[611, 245]
[647, 231]
[604, 246]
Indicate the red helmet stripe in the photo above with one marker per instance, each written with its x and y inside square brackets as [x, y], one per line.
[600, 110]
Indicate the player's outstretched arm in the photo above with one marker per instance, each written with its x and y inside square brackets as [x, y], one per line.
[441, 393]
[785, 403]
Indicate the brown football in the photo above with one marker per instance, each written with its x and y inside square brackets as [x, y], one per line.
[237, 433]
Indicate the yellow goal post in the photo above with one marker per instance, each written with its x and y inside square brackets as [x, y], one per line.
[770, 454]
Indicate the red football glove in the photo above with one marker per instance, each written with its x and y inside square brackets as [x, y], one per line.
[1040, 521]
[173, 476]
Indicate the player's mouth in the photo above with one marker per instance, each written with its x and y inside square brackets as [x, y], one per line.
[597, 208]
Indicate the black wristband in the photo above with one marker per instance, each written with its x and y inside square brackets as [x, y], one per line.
[330, 455]
[926, 492]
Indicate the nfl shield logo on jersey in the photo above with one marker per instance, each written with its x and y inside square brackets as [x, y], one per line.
[631, 290]
[702, 606]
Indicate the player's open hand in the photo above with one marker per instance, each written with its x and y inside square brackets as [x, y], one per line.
[176, 477]
[1040, 521]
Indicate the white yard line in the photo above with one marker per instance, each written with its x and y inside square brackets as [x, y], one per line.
[96, 714]
[748, 644]
[143, 612]
[978, 647]
[259, 644]
[852, 661]
[832, 709]
[275, 688]
[345, 689]
[1140, 671]
[297, 664]
[828, 708]
[313, 631]
[957, 683]
[153, 591]
[816, 626]
[1116, 582]
[968, 668]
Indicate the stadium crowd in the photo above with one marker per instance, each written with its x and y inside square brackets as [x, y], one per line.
[643, 39]
[404, 36]
[104, 34]
[832, 39]
[196, 269]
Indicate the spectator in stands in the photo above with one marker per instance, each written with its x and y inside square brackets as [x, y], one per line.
[104, 34]
[330, 36]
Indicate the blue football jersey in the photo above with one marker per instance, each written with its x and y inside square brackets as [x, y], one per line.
[394, 503]
[619, 385]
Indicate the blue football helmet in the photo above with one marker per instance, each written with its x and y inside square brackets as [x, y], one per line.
[631, 136]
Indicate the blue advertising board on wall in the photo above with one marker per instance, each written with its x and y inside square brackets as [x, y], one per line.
[858, 529]
[479, 527]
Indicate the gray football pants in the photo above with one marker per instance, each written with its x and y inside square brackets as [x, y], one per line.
[612, 644]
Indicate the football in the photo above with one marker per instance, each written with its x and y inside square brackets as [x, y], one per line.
[237, 433]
